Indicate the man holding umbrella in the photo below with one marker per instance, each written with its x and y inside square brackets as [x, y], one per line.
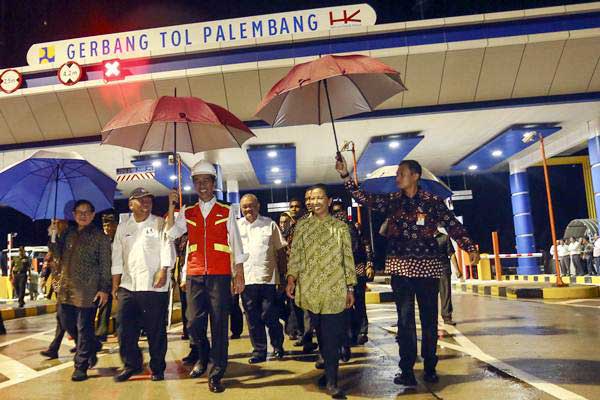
[214, 246]
[413, 259]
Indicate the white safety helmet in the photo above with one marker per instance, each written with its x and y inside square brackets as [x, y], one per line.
[203, 167]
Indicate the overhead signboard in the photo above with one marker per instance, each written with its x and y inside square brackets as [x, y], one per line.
[70, 73]
[134, 170]
[175, 39]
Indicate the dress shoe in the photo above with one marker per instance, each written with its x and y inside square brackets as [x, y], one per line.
[157, 377]
[278, 354]
[198, 370]
[215, 385]
[98, 346]
[51, 355]
[2, 331]
[309, 348]
[320, 363]
[126, 374]
[449, 321]
[345, 354]
[431, 377]
[322, 381]
[362, 339]
[191, 358]
[234, 336]
[73, 350]
[406, 379]
[93, 361]
[79, 375]
[185, 336]
[335, 392]
[257, 359]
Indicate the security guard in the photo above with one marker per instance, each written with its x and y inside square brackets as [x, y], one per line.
[213, 244]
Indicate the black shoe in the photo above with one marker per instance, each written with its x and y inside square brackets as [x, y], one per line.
[215, 385]
[257, 359]
[102, 338]
[309, 348]
[126, 374]
[293, 337]
[98, 346]
[158, 377]
[345, 354]
[299, 343]
[51, 355]
[191, 358]
[234, 336]
[185, 336]
[278, 354]
[448, 321]
[93, 361]
[198, 370]
[431, 377]
[335, 392]
[2, 331]
[322, 381]
[406, 379]
[73, 350]
[79, 375]
[362, 339]
[320, 363]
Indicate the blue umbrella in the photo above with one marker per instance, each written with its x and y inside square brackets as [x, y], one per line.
[47, 184]
[383, 180]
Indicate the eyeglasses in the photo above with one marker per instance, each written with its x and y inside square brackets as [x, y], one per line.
[83, 213]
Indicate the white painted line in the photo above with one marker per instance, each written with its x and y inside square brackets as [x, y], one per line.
[13, 369]
[33, 336]
[393, 317]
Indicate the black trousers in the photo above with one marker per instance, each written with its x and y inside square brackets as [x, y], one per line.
[209, 296]
[576, 258]
[143, 310]
[20, 285]
[446, 296]
[261, 313]
[103, 318]
[589, 265]
[59, 334]
[359, 320]
[426, 291]
[183, 300]
[295, 322]
[79, 323]
[330, 330]
[237, 318]
[565, 265]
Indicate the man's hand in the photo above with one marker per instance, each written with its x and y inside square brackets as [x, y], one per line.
[173, 199]
[182, 286]
[349, 299]
[340, 165]
[116, 282]
[102, 298]
[238, 280]
[114, 292]
[290, 289]
[474, 257]
[160, 278]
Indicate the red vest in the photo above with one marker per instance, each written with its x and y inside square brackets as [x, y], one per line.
[208, 251]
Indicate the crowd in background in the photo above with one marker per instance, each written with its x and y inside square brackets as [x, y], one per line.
[578, 256]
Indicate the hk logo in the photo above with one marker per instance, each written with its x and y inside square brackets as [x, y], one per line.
[46, 55]
[345, 19]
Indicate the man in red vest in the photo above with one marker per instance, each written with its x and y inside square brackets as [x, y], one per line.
[214, 245]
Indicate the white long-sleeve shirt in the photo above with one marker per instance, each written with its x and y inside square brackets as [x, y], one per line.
[233, 234]
[597, 248]
[563, 250]
[139, 250]
[261, 239]
[574, 248]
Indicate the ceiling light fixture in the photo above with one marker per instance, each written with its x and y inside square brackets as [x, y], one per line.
[187, 188]
[472, 167]
[394, 145]
[381, 161]
[275, 169]
[277, 181]
[272, 154]
[497, 153]
[173, 177]
[156, 163]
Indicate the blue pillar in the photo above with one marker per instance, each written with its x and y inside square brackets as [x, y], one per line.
[233, 196]
[519, 189]
[594, 152]
[219, 183]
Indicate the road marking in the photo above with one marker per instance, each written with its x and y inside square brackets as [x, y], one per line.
[33, 336]
[15, 370]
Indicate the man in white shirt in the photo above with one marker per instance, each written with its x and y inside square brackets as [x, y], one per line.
[563, 257]
[214, 245]
[142, 259]
[262, 239]
[575, 253]
[596, 254]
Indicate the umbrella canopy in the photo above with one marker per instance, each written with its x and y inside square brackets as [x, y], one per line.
[47, 184]
[383, 180]
[349, 84]
[150, 125]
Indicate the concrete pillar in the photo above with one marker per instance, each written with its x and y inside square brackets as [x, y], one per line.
[594, 152]
[523, 222]
[219, 183]
[233, 196]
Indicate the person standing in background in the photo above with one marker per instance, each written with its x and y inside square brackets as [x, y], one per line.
[21, 269]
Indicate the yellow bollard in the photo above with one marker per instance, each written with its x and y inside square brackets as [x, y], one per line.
[484, 268]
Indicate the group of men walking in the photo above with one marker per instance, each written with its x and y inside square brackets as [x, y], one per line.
[319, 258]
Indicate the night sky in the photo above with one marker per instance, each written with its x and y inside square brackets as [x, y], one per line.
[23, 23]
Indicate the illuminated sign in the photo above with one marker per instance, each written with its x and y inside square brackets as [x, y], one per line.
[10, 80]
[112, 70]
[70, 73]
[199, 36]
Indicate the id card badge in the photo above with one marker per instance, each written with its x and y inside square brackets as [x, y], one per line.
[421, 219]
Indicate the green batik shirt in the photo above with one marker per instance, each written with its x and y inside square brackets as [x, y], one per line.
[321, 261]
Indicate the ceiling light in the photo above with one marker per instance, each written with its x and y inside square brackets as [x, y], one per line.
[381, 161]
[472, 167]
[272, 154]
[277, 181]
[173, 177]
[368, 175]
[187, 188]
[275, 169]
[529, 136]
[156, 163]
[497, 153]
[394, 145]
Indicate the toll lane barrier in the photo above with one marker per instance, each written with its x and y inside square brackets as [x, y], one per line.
[510, 292]
[28, 311]
[584, 280]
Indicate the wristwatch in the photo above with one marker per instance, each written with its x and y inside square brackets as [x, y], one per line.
[350, 288]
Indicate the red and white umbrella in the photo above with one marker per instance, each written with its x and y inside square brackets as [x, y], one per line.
[329, 88]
